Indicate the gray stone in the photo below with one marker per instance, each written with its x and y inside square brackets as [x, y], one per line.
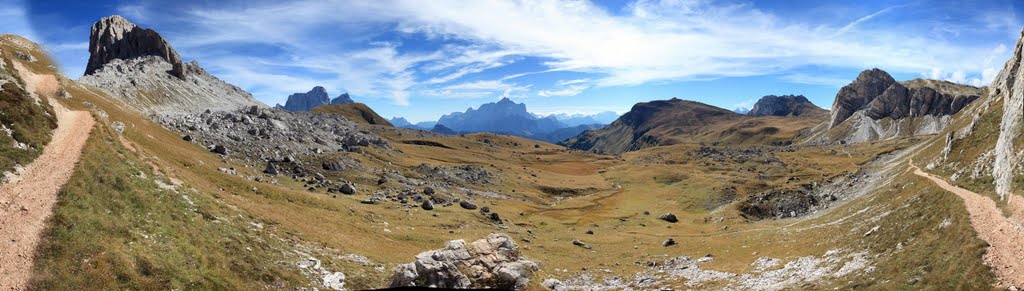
[669, 217]
[271, 169]
[493, 262]
[669, 242]
[347, 189]
[220, 149]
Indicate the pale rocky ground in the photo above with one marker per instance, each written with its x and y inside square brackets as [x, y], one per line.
[143, 84]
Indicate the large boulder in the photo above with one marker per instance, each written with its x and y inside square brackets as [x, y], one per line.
[492, 262]
[115, 37]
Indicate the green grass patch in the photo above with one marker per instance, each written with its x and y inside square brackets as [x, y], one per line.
[29, 123]
[115, 228]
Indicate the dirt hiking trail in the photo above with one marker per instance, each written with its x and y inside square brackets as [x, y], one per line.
[27, 201]
[1005, 253]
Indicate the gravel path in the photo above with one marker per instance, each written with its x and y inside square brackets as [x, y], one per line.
[27, 201]
[1004, 236]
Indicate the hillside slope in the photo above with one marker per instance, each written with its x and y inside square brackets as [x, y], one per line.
[26, 118]
[700, 198]
[357, 112]
[675, 121]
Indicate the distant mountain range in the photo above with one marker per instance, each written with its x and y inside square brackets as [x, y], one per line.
[606, 117]
[313, 99]
[508, 117]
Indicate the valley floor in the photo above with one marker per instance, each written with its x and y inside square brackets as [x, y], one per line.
[27, 202]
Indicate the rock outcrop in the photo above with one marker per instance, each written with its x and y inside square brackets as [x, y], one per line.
[307, 101]
[140, 69]
[879, 96]
[1008, 86]
[785, 105]
[898, 102]
[115, 37]
[492, 262]
[855, 96]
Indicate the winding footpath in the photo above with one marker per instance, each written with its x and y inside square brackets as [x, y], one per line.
[26, 202]
[1005, 253]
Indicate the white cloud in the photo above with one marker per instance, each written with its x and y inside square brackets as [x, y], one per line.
[748, 104]
[13, 19]
[571, 90]
[476, 89]
[803, 78]
[677, 40]
[648, 41]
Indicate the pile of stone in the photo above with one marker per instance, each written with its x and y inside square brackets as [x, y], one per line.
[462, 175]
[257, 134]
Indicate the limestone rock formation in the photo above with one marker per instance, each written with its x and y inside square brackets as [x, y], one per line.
[898, 102]
[140, 69]
[1008, 86]
[307, 101]
[492, 262]
[853, 97]
[115, 37]
[880, 96]
[785, 105]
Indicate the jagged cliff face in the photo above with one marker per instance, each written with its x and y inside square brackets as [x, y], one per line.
[853, 97]
[117, 38]
[875, 107]
[140, 69]
[1008, 85]
[307, 101]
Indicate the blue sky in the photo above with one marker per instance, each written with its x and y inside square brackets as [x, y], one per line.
[422, 59]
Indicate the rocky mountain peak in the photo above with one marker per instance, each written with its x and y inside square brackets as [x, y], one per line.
[853, 97]
[115, 37]
[307, 101]
[785, 105]
[344, 98]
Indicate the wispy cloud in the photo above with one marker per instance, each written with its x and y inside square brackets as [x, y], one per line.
[866, 18]
[13, 19]
[647, 41]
